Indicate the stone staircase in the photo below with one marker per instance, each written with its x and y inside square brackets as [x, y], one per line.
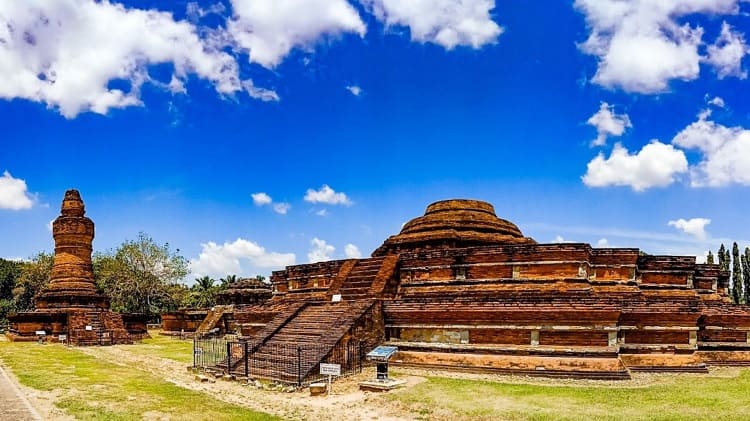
[360, 280]
[214, 316]
[293, 344]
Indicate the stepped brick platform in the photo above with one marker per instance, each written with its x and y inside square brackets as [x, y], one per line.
[460, 288]
[71, 307]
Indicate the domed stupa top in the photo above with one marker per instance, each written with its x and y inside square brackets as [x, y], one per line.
[451, 224]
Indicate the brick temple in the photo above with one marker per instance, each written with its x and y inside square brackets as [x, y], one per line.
[71, 308]
[461, 288]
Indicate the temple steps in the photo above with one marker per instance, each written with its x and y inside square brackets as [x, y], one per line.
[294, 342]
[359, 281]
[214, 316]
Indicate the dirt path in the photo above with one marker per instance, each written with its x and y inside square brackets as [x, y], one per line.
[347, 401]
[13, 403]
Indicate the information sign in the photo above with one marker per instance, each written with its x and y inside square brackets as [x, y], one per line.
[330, 369]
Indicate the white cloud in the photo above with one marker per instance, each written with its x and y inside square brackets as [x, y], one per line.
[717, 102]
[352, 251]
[726, 152]
[694, 226]
[65, 54]
[603, 242]
[237, 257]
[327, 195]
[320, 251]
[608, 123]
[281, 208]
[354, 89]
[49, 225]
[261, 199]
[270, 29]
[726, 54]
[656, 165]
[641, 44]
[322, 212]
[448, 23]
[13, 192]
[559, 239]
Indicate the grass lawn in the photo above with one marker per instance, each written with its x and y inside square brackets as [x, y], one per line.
[165, 347]
[673, 398]
[92, 389]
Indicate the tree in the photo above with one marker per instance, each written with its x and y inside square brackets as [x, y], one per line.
[139, 275]
[723, 261]
[228, 280]
[746, 274]
[9, 272]
[737, 282]
[203, 292]
[710, 258]
[32, 279]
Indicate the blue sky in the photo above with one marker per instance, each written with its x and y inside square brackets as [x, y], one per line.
[251, 134]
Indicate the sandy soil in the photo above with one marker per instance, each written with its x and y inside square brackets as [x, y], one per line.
[346, 401]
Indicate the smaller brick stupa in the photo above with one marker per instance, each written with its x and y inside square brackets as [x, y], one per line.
[70, 308]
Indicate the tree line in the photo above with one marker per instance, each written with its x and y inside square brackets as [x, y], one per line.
[739, 281]
[139, 276]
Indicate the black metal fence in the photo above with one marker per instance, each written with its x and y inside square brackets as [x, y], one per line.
[297, 364]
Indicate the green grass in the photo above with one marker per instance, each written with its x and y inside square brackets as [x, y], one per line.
[673, 398]
[91, 389]
[164, 347]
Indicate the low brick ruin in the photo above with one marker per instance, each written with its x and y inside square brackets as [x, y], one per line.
[71, 308]
[460, 288]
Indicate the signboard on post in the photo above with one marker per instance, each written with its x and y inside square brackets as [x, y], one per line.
[330, 369]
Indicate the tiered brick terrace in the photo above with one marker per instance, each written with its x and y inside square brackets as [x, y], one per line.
[460, 288]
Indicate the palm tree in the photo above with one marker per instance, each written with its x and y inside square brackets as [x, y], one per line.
[204, 283]
[228, 280]
[203, 292]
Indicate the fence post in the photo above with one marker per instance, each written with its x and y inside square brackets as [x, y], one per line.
[299, 366]
[247, 357]
[229, 357]
[195, 360]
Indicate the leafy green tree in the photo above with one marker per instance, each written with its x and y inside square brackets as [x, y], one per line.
[746, 274]
[203, 292]
[723, 260]
[9, 272]
[32, 279]
[139, 275]
[710, 258]
[737, 282]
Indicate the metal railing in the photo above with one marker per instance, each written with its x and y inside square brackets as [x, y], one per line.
[296, 364]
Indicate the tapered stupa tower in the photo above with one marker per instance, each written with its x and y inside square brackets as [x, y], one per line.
[72, 279]
[71, 309]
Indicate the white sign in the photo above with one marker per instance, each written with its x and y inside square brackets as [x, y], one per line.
[330, 369]
[62, 338]
[336, 298]
[41, 332]
[89, 328]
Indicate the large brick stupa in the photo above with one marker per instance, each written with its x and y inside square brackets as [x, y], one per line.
[71, 308]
